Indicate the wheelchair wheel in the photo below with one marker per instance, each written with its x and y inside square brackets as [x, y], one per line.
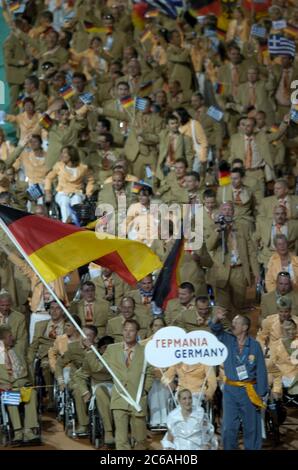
[272, 424]
[69, 415]
[96, 429]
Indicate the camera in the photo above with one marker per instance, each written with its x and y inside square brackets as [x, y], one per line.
[221, 220]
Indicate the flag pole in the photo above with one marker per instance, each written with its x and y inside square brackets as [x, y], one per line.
[128, 397]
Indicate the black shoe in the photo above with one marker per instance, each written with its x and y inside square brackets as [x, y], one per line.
[33, 442]
[17, 443]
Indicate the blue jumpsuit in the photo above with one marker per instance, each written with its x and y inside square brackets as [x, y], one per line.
[236, 403]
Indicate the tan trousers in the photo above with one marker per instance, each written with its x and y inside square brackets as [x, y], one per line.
[124, 418]
[31, 420]
[103, 402]
[233, 295]
[81, 408]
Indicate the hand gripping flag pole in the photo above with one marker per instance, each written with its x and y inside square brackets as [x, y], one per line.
[125, 395]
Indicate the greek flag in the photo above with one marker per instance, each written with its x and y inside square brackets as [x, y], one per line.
[294, 116]
[141, 103]
[258, 31]
[215, 113]
[279, 45]
[86, 98]
[11, 398]
[167, 7]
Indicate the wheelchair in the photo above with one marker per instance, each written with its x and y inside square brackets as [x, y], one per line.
[6, 429]
[68, 413]
[96, 429]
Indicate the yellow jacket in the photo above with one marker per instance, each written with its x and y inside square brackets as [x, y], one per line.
[274, 267]
[192, 377]
[67, 183]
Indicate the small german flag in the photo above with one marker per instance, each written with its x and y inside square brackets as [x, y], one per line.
[152, 14]
[55, 248]
[221, 34]
[274, 128]
[92, 28]
[168, 281]
[146, 88]
[291, 31]
[127, 101]
[45, 121]
[20, 101]
[67, 92]
[14, 6]
[224, 173]
[219, 88]
[258, 6]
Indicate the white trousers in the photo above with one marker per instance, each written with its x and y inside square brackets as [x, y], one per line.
[65, 201]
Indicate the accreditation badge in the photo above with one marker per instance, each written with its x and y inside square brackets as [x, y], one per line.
[242, 372]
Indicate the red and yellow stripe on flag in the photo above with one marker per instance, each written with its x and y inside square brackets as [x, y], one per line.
[56, 248]
[224, 178]
[291, 31]
[92, 28]
[127, 102]
[45, 121]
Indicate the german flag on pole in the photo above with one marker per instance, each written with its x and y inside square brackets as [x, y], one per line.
[168, 281]
[55, 248]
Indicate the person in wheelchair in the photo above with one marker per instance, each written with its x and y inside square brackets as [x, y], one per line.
[189, 427]
[101, 385]
[198, 378]
[284, 355]
[14, 375]
[44, 336]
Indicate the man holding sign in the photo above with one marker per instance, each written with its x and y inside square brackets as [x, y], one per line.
[245, 385]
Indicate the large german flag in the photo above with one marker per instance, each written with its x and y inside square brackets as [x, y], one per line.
[56, 248]
[167, 283]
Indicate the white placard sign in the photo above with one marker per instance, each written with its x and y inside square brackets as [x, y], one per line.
[172, 345]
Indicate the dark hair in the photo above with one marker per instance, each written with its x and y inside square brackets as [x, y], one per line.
[88, 284]
[123, 83]
[183, 115]
[34, 80]
[132, 322]
[73, 153]
[80, 75]
[47, 15]
[92, 328]
[29, 100]
[105, 122]
[37, 137]
[187, 285]
[171, 117]
[158, 317]
[182, 160]
[109, 138]
[194, 174]
[240, 171]
[105, 341]
[202, 298]
[209, 193]
[237, 160]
